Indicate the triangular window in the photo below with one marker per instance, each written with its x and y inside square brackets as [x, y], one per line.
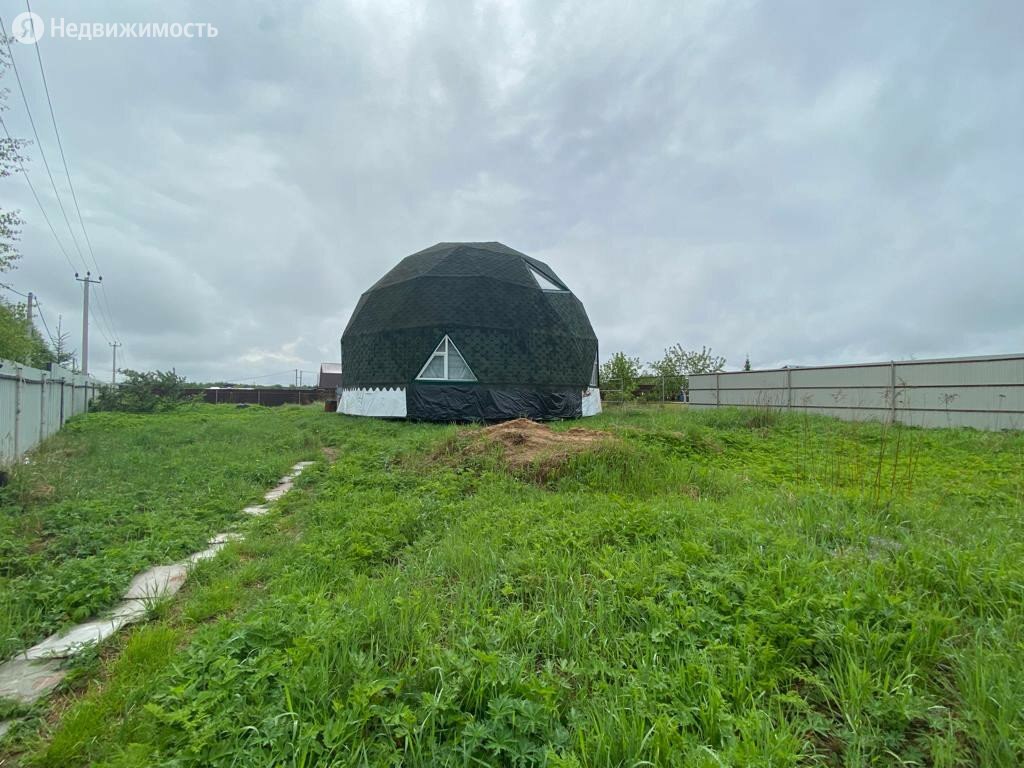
[544, 282]
[446, 363]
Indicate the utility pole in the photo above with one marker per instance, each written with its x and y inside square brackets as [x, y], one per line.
[29, 306]
[85, 281]
[113, 365]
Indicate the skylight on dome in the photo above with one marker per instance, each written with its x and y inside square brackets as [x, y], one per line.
[544, 282]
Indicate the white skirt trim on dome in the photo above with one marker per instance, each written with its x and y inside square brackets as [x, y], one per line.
[387, 403]
[591, 401]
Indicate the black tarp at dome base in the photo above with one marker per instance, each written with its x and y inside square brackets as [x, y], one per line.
[474, 402]
[523, 334]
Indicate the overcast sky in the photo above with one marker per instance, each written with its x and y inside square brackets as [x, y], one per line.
[804, 182]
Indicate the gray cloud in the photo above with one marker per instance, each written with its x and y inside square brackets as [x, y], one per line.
[803, 182]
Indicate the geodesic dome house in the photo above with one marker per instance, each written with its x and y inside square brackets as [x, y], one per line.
[469, 332]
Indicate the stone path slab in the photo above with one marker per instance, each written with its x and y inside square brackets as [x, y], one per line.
[64, 644]
[159, 581]
[35, 672]
[25, 680]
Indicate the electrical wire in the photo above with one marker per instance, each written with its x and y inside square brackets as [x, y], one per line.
[104, 304]
[53, 342]
[35, 194]
[290, 371]
[12, 289]
[38, 308]
[39, 143]
[49, 173]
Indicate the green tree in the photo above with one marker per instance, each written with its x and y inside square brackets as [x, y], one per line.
[746, 364]
[621, 372]
[19, 341]
[678, 364]
[668, 369]
[63, 354]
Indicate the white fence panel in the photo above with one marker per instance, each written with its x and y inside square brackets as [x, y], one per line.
[35, 403]
[979, 392]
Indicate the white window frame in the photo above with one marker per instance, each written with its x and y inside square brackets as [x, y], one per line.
[442, 350]
[543, 281]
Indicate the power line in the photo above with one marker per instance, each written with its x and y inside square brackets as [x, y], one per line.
[60, 146]
[67, 171]
[39, 143]
[53, 342]
[35, 194]
[38, 306]
[49, 174]
[12, 289]
[290, 371]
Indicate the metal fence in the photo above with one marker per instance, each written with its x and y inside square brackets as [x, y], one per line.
[259, 395]
[979, 392]
[644, 388]
[35, 403]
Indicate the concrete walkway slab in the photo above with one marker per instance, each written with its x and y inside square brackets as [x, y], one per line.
[276, 493]
[26, 680]
[217, 543]
[37, 671]
[130, 611]
[159, 581]
[64, 644]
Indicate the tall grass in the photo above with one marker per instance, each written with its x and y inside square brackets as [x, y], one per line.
[114, 493]
[705, 590]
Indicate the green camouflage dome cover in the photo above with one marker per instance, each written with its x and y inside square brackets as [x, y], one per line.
[485, 297]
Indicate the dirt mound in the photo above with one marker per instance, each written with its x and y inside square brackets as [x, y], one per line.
[526, 446]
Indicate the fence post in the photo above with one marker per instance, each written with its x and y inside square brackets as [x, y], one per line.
[718, 390]
[17, 412]
[42, 407]
[789, 389]
[892, 390]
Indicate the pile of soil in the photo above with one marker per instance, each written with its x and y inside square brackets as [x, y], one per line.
[526, 446]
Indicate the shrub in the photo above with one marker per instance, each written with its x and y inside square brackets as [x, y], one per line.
[143, 392]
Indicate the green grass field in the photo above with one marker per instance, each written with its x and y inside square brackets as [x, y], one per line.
[703, 589]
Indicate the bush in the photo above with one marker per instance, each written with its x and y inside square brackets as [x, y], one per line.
[143, 392]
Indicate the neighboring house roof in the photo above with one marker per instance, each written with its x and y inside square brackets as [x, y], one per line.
[330, 376]
[487, 299]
